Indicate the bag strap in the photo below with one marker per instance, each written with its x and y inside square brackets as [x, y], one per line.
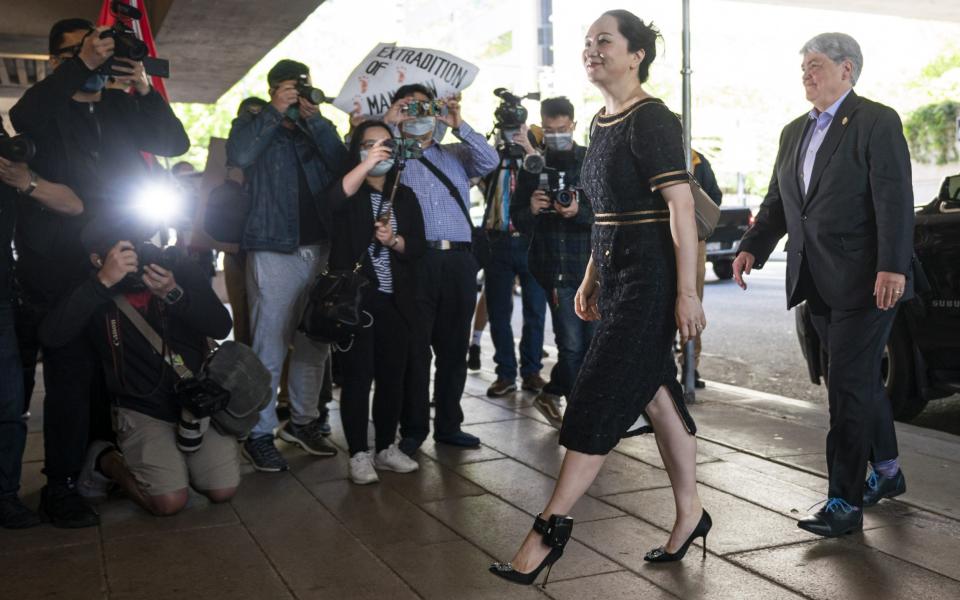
[449, 185]
[150, 335]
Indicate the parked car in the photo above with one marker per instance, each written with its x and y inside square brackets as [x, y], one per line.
[723, 244]
[922, 358]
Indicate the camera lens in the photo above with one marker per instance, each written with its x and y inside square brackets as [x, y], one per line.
[565, 197]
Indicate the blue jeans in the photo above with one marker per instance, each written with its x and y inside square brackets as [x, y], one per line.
[13, 429]
[572, 335]
[509, 261]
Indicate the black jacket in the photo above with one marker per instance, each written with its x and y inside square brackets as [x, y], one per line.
[856, 218]
[132, 366]
[353, 228]
[94, 148]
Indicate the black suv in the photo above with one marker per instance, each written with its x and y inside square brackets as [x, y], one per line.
[922, 359]
[723, 244]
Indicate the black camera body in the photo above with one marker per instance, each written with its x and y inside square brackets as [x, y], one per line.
[127, 45]
[509, 117]
[202, 396]
[17, 148]
[170, 258]
[555, 176]
[309, 93]
[554, 183]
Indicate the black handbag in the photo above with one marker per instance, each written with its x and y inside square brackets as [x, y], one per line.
[333, 314]
[479, 240]
[226, 213]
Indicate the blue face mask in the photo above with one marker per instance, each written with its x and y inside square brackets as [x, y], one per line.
[419, 127]
[94, 83]
[381, 168]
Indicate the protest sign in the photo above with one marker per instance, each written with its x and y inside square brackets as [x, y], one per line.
[387, 67]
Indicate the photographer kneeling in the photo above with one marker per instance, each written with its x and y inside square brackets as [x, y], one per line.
[381, 228]
[179, 304]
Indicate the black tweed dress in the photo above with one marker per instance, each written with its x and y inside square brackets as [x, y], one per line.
[632, 155]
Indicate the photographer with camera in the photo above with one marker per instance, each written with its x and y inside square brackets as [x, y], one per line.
[156, 461]
[447, 273]
[553, 211]
[88, 138]
[380, 227]
[290, 154]
[16, 178]
[508, 260]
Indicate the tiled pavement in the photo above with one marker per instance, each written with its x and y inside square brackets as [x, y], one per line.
[310, 533]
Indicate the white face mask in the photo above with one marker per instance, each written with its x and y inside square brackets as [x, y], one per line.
[558, 141]
[420, 126]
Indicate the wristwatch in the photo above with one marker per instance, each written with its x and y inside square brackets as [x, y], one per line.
[30, 186]
[174, 295]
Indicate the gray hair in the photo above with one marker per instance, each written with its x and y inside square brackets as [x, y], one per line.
[838, 47]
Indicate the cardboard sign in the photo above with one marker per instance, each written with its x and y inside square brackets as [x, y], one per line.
[371, 85]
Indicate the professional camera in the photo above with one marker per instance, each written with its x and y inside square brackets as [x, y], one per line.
[17, 148]
[199, 399]
[426, 108]
[553, 177]
[510, 116]
[309, 93]
[127, 45]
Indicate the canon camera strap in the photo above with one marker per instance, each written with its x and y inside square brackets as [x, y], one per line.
[148, 332]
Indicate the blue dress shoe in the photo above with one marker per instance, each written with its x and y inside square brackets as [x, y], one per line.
[879, 487]
[836, 518]
[458, 438]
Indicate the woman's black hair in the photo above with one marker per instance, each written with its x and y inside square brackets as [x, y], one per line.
[640, 36]
[356, 138]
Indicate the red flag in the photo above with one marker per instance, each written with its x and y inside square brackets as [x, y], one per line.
[142, 29]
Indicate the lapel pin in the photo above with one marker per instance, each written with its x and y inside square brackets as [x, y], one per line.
[845, 121]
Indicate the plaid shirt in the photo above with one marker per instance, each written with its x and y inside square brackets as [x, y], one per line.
[559, 247]
[443, 219]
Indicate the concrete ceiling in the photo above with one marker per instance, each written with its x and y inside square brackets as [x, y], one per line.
[211, 44]
[931, 10]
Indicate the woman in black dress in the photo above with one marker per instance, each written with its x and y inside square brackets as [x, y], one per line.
[387, 238]
[641, 285]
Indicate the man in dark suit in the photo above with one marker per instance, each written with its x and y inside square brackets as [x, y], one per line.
[841, 191]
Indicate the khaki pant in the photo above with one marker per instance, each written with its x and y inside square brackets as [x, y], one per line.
[149, 448]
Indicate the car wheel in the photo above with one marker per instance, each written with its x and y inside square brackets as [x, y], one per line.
[898, 374]
[723, 269]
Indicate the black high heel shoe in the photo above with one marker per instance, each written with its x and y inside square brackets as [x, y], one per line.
[556, 533]
[702, 529]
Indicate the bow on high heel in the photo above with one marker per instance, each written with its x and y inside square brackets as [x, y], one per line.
[556, 533]
[702, 529]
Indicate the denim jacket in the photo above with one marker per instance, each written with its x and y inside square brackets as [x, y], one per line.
[257, 144]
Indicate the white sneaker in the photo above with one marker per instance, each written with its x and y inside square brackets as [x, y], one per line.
[361, 468]
[93, 485]
[393, 459]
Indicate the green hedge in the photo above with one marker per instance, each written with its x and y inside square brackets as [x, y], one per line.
[931, 132]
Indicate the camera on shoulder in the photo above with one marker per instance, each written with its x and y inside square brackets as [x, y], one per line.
[509, 117]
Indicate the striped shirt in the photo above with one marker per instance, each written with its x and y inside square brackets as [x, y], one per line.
[443, 219]
[381, 260]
